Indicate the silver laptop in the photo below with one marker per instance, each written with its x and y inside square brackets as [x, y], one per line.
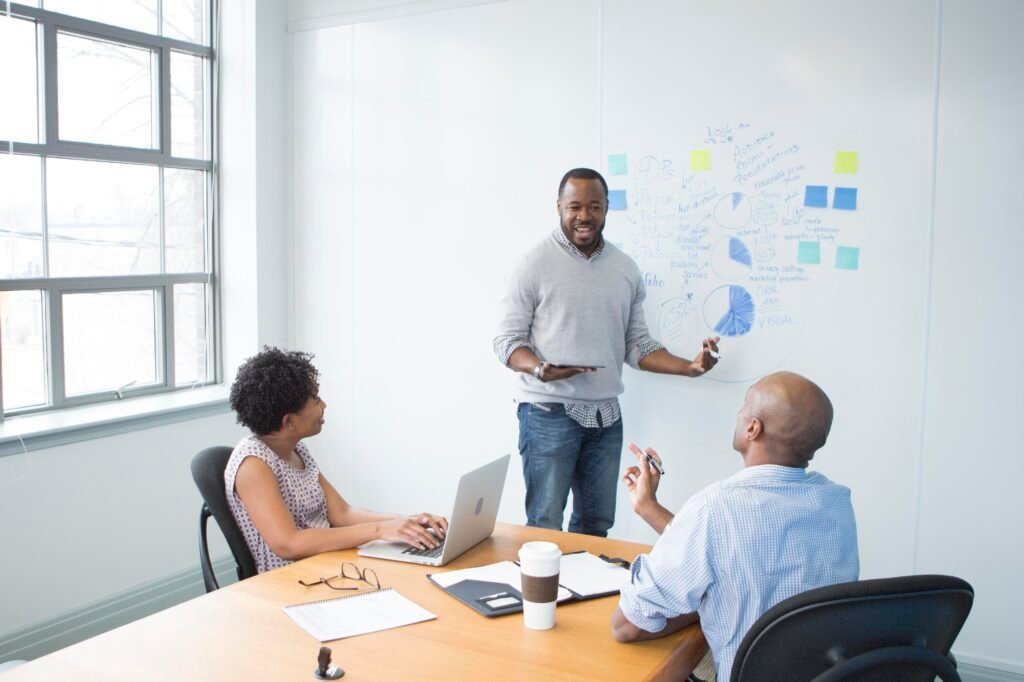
[471, 522]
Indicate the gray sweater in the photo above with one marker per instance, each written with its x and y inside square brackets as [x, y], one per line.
[574, 311]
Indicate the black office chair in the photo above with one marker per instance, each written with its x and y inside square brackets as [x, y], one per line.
[208, 472]
[868, 631]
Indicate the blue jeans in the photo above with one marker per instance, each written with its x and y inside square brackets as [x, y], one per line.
[560, 455]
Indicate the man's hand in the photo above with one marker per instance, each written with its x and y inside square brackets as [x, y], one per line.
[523, 360]
[642, 482]
[549, 372]
[707, 358]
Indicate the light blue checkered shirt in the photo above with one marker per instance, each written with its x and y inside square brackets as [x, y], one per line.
[739, 547]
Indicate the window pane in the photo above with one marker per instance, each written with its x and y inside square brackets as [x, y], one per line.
[103, 218]
[139, 15]
[24, 355]
[19, 114]
[106, 92]
[190, 342]
[186, 20]
[188, 77]
[109, 340]
[184, 220]
[21, 216]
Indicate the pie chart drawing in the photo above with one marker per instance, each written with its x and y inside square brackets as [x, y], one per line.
[731, 259]
[729, 310]
[733, 210]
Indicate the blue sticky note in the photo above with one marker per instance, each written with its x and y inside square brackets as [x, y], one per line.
[847, 257]
[617, 200]
[809, 253]
[617, 164]
[816, 196]
[845, 198]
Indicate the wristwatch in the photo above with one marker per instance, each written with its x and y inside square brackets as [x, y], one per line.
[538, 369]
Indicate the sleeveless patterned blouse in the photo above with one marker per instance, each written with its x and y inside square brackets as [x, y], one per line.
[300, 490]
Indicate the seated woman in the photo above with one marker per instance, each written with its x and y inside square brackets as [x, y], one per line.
[283, 505]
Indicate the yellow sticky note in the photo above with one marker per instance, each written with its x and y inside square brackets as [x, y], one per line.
[700, 160]
[846, 162]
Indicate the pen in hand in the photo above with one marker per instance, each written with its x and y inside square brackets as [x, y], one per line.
[650, 460]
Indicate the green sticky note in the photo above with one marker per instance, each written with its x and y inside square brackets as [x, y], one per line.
[809, 253]
[617, 164]
[700, 160]
[847, 258]
[846, 162]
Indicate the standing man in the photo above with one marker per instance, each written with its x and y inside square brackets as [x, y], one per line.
[572, 313]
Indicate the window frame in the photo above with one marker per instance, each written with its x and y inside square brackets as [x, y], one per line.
[48, 24]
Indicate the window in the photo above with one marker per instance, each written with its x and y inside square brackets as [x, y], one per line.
[106, 195]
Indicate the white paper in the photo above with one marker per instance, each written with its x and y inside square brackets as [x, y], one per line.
[587, 575]
[503, 572]
[357, 614]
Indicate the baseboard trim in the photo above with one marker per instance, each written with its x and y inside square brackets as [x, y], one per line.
[73, 626]
[981, 670]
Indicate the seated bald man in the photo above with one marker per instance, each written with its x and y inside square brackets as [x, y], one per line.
[740, 546]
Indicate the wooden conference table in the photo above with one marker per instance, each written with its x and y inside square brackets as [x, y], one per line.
[240, 632]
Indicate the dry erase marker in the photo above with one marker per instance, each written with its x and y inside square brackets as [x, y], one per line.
[653, 463]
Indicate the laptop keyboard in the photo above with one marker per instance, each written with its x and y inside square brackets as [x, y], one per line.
[428, 553]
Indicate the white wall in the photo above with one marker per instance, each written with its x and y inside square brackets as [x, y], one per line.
[86, 521]
[255, 248]
[971, 506]
[405, 131]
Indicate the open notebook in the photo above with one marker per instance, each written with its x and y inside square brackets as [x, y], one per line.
[581, 576]
[357, 614]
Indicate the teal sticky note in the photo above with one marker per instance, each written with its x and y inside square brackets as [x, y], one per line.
[618, 164]
[845, 198]
[617, 200]
[809, 253]
[847, 258]
[816, 196]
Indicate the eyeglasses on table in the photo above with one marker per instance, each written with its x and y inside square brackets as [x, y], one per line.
[349, 571]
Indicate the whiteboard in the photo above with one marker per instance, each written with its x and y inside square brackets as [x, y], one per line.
[730, 118]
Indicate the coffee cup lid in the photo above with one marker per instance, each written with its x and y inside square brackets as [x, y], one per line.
[540, 550]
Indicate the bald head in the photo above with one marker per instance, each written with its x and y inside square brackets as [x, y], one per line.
[784, 420]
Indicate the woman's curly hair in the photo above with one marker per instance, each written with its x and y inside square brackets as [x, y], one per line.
[270, 385]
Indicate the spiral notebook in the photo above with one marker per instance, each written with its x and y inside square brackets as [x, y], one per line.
[357, 614]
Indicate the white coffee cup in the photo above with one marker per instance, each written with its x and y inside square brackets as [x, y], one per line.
[539, 565]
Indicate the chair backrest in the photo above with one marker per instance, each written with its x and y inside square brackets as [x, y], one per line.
[208, 473]
[870, 630]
